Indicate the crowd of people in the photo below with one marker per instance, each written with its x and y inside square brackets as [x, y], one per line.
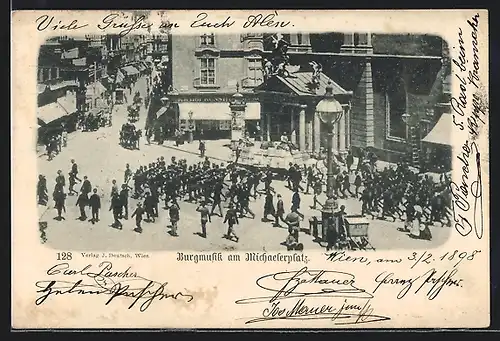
[226, 190]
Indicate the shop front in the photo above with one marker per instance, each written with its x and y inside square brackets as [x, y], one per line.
[209, 117]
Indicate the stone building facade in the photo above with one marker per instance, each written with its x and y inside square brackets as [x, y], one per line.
[387, 77]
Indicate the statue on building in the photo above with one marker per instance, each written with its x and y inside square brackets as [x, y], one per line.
[279, 58]
[317, 68]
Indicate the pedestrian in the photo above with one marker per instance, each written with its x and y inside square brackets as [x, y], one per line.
[86, 186]
[173, 211]
[64, 135]
[149, 207]
[204, 217]
[114, 187]
[280, 211]
[217, 194]
[231, 219]
[296, 203]
[41, 190]
[95, 206]
[116, 208]
[268, 206]
[59, 200]
[124, 200]
[72, 183]
[357, 183]
[74, 170]
[138, 213]
[202, 148]
[82, 202]
[349, 161]
[128, 174]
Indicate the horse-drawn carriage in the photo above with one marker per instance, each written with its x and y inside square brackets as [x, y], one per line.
[130, 136]
[94, 119]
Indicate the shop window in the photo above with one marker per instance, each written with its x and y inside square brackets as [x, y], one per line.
[207, 71]
[395, 107]
[208, 40]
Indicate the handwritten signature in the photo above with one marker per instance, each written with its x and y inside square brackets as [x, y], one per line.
[436, 281]
[460, 193]
[105, 281]
[313, 294]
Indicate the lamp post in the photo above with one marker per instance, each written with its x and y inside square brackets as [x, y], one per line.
[237, 106]
[329, 111]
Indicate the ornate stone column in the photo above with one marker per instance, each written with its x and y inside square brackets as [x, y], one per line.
[268, 126]
[302, 128]
[293, 128]
[317, 133]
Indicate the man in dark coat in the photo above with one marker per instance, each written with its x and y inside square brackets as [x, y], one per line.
[41, 190]
[82, 202]
[280, 211]
[95, 206]
[138, 213]
[86, 186]
[296, 203]
[231, 219]
[124, 200]
[74, 170]
[116, 207]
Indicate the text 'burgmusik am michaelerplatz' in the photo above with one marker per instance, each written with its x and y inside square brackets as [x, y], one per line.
[261, 257]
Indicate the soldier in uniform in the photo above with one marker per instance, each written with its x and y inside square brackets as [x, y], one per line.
[174, 213]
[124, 200]
[116, 208]
[204, 217]
[217, 197]
[268, 206]
[138, 213]
[231, 219]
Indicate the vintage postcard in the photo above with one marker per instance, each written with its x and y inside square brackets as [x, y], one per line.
[250, 169]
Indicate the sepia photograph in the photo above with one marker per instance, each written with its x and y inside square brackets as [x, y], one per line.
[279, 141]
[267, 169]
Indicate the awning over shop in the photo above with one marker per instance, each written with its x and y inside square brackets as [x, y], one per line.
[215, 111]
[51, 112]
[441, 133]
[130, 70]
[97, 87]
[63, 84]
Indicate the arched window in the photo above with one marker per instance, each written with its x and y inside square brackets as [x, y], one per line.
[395, 107]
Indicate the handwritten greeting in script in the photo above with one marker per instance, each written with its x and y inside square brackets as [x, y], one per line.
[468, 115]
[123, 24]
[105, 280]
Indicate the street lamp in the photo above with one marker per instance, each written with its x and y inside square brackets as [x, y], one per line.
[329, 111]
